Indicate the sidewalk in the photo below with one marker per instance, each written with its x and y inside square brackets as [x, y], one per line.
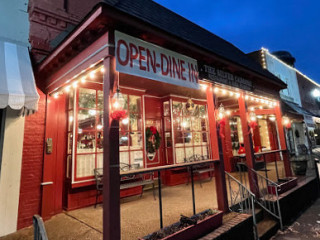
[307, 226]
[62, 227]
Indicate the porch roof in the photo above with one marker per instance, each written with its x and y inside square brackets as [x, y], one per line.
[152, 22]
[161, 17]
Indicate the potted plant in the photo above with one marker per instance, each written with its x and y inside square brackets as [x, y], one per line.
[189, 228]
[299, 164]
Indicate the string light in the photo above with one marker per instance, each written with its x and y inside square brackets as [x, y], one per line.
[92, 74]
[75, 84]
[67, 89]
[102, 70]
[83, 80]
[203, 87]
[246, 97]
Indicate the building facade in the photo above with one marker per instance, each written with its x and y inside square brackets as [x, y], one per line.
[297, 100]
[16, 98]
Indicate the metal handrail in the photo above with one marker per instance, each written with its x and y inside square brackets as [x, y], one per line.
[241, 199]
[266, 199]
[39, 229]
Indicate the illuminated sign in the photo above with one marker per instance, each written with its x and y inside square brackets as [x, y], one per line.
[143, 59]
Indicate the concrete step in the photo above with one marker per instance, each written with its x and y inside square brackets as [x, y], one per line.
[267, 228]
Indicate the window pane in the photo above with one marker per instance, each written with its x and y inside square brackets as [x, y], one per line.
[85, 165]
[136, 158]
[204, 138]
[197, 151]
[135, 140]
[86, 142]
[205, 152]
[99, 141]
[71, 98]
[166, 109]
[100, 160]
[100, 120]
[124, 160]
[135, 122]
[177, 123]
[87, 119]
[177, 109]
[189, 154]
[134, 104]
[204, 126]
[124, 140]
[178, 138]
[180, 156]
[186, 124]
[167, 124]
[124, 124]
[87, 98]
[125, 101]
[70, 122]
[196, 124]
[188, 138]
[196, 138]
[100, 99]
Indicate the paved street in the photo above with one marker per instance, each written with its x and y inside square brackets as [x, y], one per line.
[307, 226]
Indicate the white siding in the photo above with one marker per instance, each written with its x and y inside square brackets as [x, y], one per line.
[287, 75]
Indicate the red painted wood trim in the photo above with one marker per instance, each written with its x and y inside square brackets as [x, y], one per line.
[212, 123]
[70, 38]
[79, 63]
[248, 144]
[283, 144]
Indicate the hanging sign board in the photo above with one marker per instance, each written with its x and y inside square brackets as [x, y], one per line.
[143, 59]
[224, 77]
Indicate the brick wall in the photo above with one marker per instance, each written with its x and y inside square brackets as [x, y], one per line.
[32, 161]
[51, 21]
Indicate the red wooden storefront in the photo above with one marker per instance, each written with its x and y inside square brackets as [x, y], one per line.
[83, 73]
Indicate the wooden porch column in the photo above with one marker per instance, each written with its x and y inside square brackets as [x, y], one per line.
[248, 144]
[282, 141]
[111, 176]
[216, 153]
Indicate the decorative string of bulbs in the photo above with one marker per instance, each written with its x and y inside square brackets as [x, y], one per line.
[247, 97]
[81, 78]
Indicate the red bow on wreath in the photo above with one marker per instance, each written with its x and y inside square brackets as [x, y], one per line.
[153, 130]
[117, 115]
[222, 123]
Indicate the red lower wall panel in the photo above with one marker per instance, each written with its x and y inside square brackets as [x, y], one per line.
[32, 161]
[84, 197]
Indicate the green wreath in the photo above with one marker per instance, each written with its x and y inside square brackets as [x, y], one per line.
[153, 139]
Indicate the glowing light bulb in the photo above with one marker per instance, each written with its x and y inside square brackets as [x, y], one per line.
[228, 112]
[75, 84]
[246, 97]
[99, 126]
[56, 95]
[215, 90]
[102, 70]
[92, 74]
[203, 87]
[70, 118]
[224, 92]
[83, 80]
[237, 95]
[231, 93]
[125, 121]
[67, 89]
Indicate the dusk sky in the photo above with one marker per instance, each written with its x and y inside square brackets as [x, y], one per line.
[293, 26]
